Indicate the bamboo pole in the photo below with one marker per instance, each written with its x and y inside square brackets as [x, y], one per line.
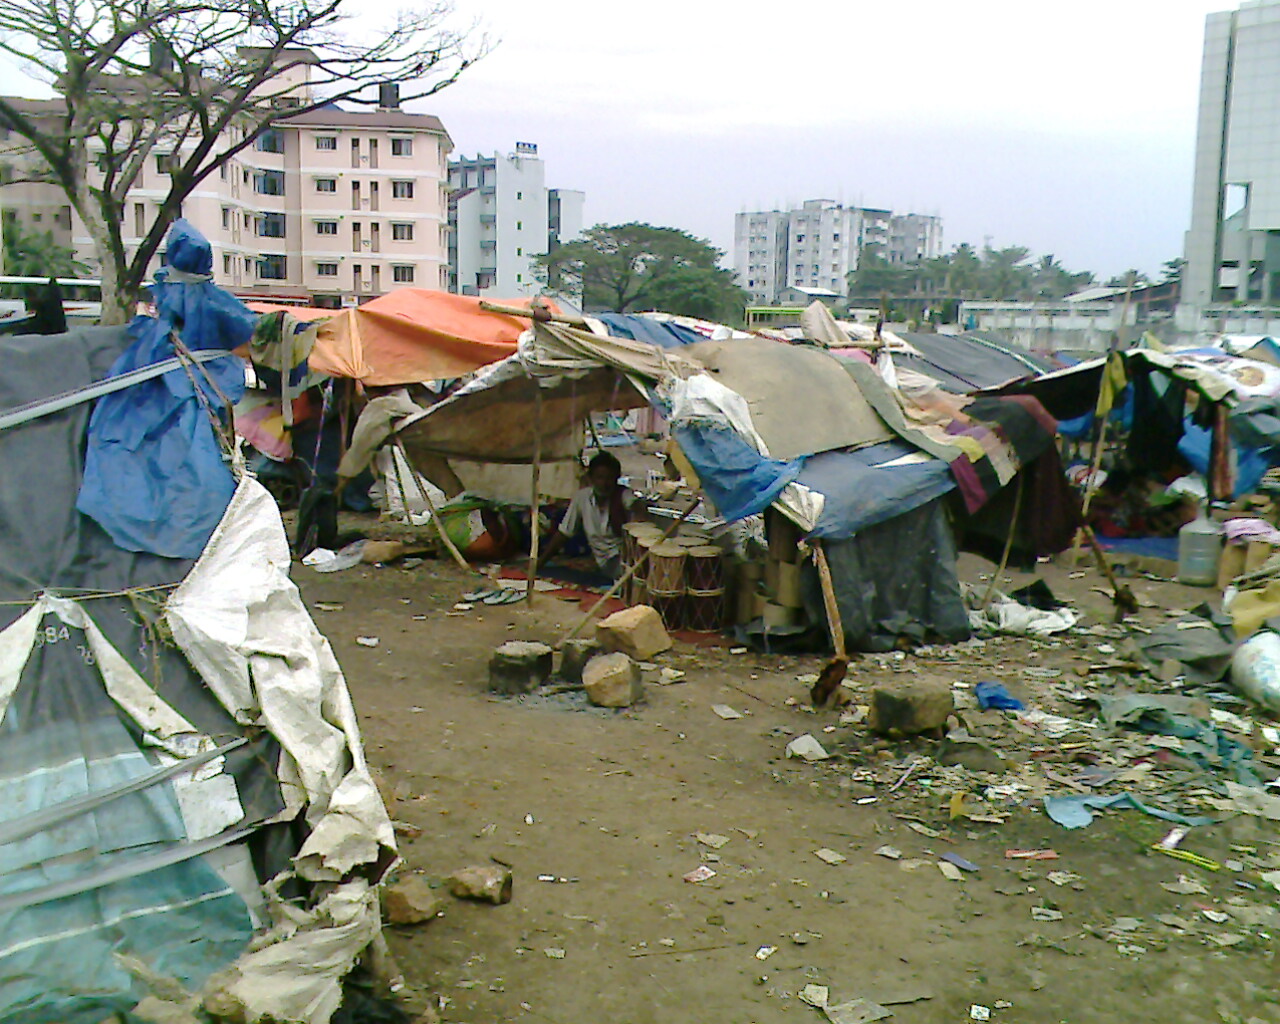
[535, 532]
[829, 601]
[445, 539]
[1008, 547]
[539, 313]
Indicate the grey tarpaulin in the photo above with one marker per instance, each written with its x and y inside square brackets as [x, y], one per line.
[98, 695]
[894, 580]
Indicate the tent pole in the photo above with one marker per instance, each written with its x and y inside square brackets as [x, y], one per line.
[1008, 546]
[535, 533]
[621, 581]
[445, 539]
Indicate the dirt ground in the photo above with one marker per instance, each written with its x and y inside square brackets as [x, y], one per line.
[609, 802]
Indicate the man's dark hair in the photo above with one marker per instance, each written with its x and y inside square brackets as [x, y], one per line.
[606, 460]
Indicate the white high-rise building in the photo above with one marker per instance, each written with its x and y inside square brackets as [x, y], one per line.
[503, 217]
[1233, 245]
[817, 245]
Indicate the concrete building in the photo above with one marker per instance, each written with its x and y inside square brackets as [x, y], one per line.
[818, 244]
[502, 217]
[331, 207]
[1233, 245]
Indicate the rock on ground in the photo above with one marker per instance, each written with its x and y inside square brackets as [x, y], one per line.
[574, 655]
[637, 631]
[410, 901]
[612, 681]
[519, 666]
[910, 707]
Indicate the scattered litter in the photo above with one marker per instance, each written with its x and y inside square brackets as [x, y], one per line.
[950, 872]
[1053, 726]
[856, 1011]
[1075, 811]
[554, 953]
[960, 862]
[1247, 800]
[528, 819]
[668, 676]
[863, 801]
[1185, 886]
[1045, 914]
[711, 839]
[368, 641]
[1061, 878]
[737, 650]
[1173, 838]
[463, 606]
[324, 560]
[815, 995]
[924, 830]
[892, 852]
[1272, 878]
[764, 952]
[830, 856]
[1030, 855]
[808, 748]
[726, 712]
[329, 606]
[556, 879]
[977, 1012]
[1190, 858]
[1216, 916]
[700, 874]
[994, 695]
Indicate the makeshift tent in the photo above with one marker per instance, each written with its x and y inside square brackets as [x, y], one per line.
[186, 802]
[412, 335]
[764, 423]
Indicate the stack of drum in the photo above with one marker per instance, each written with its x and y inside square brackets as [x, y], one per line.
[683, 580]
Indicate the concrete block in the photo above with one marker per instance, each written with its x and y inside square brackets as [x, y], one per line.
[489, 883]
[907, 708]
[574, 655]
[519, 666]
[410, 901]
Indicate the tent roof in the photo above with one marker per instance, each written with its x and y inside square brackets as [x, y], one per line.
[413, 335]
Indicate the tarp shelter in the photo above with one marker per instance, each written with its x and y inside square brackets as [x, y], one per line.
[763, 423]
[184, 792]
[413, 335]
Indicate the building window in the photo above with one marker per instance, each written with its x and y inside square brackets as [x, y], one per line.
[519, 196]
[272, 268]
[402, 274]
[402, 232]
[402, 147]
[519, 225]
[222, 172]
[326, 227]
[226, 217]
[329, 142]
[248, 264]
[139, 219]
[269, 183]
[326, 184]
[271, 225]
[270, 141]
[402, 190]
[164, 163]
[226, 264]
[519, 252]
[326, 270]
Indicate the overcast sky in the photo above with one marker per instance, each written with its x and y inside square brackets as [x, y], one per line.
[1066, 127]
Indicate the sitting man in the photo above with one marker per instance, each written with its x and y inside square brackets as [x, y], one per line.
[600, 511]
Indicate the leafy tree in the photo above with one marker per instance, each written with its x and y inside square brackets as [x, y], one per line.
[199, 80]
[1171, 271]
[626, 267]
[1129, 279]
[37, 254]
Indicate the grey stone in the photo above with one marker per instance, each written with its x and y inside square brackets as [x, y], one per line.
[519, 666]
[574, 655]
[910, 707]
[410, 901]
[612, 681]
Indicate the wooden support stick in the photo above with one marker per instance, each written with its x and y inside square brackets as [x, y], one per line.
[539, 313]
[621, 581]
[431, 507]
[1008, 547]
[535, 532]
[829, 600]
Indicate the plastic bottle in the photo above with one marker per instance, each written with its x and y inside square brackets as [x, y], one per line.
[1199, 548]
[1255, 669]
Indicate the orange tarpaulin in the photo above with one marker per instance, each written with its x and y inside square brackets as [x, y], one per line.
[413, 334]
[303, 313]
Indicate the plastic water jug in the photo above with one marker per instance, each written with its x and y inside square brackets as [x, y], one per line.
[1199, 548]
[1255, 669]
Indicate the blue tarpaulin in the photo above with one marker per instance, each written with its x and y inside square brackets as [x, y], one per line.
[739, 480]
[154, 476]
[646, 329]
[1251, 463]
[861, 491]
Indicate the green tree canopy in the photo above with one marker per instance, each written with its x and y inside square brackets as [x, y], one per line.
[37, 254]
[629, 267]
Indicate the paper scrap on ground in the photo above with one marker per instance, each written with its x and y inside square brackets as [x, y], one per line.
[808, 748]
[726, 712]
[1075, 811]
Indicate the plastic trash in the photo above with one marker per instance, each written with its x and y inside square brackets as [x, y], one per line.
[1199, 548]
[1255, 669]
[991, 694]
